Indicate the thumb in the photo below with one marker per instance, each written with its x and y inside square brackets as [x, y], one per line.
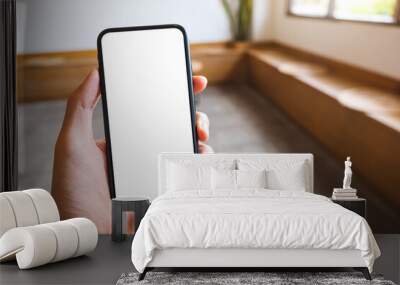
[80, 106]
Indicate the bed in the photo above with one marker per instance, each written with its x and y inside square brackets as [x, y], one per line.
[247, 211]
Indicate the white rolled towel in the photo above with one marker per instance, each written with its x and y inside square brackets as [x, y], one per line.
[40, 244]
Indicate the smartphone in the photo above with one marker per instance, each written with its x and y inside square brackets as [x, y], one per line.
[148, 104]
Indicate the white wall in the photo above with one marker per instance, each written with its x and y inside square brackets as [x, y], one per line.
[373, 47]
[56, 25]
[262, 27]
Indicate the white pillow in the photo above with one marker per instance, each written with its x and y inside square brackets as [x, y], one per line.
[251, 178]
[293, 179]
[188, 177]
[281, 174]
[223, 179]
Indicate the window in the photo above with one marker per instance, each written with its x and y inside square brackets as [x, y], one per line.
[317, 8]
[378, 11]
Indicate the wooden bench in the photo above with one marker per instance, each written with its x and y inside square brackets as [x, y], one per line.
[350, 116]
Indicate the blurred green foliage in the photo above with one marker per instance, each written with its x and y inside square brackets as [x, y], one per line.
[240, 17]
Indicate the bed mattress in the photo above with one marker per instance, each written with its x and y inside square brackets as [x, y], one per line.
[250, 219]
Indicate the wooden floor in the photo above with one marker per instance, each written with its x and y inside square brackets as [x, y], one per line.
[241, 121]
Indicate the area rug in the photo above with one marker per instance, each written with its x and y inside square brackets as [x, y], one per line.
[232, 278]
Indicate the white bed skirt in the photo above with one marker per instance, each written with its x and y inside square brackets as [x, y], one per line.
[192, 257]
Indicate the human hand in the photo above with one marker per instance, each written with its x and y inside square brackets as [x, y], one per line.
[80, 183]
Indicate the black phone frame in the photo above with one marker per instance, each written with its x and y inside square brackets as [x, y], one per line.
[110, 169]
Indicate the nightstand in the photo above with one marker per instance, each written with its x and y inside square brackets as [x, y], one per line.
[357, 205]
[128, 204]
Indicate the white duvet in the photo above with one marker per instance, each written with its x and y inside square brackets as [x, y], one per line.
[250, 219]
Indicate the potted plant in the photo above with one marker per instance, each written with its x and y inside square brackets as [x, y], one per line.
[239, 13]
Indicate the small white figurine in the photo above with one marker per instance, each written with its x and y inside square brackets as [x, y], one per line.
[347, 174]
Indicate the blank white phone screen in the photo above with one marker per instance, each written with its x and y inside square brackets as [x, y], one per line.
[148, 103]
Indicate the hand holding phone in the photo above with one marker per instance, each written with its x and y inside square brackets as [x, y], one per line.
[80, 185]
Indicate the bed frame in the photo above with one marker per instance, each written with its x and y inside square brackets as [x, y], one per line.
[233, 259]
[246, 259]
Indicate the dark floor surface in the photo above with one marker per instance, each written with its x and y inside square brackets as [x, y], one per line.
[109, 260]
